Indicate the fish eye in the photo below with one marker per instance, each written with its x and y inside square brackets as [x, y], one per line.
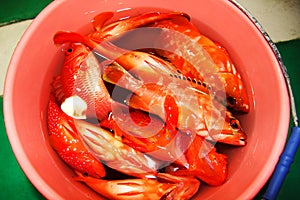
[85, 174]
[235, 124]
[70, 50]
[231, 101]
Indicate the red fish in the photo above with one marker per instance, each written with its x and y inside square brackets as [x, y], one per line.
[203, 162]
[237, 98]
[81, 77]
[66, 142]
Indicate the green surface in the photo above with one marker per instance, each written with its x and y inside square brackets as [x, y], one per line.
[16, 10]
[15, 185]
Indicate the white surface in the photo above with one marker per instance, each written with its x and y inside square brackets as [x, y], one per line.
[9, 37]
[280, 18]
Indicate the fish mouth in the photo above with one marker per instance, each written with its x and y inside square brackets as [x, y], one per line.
[236, 139]
[242, 141]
